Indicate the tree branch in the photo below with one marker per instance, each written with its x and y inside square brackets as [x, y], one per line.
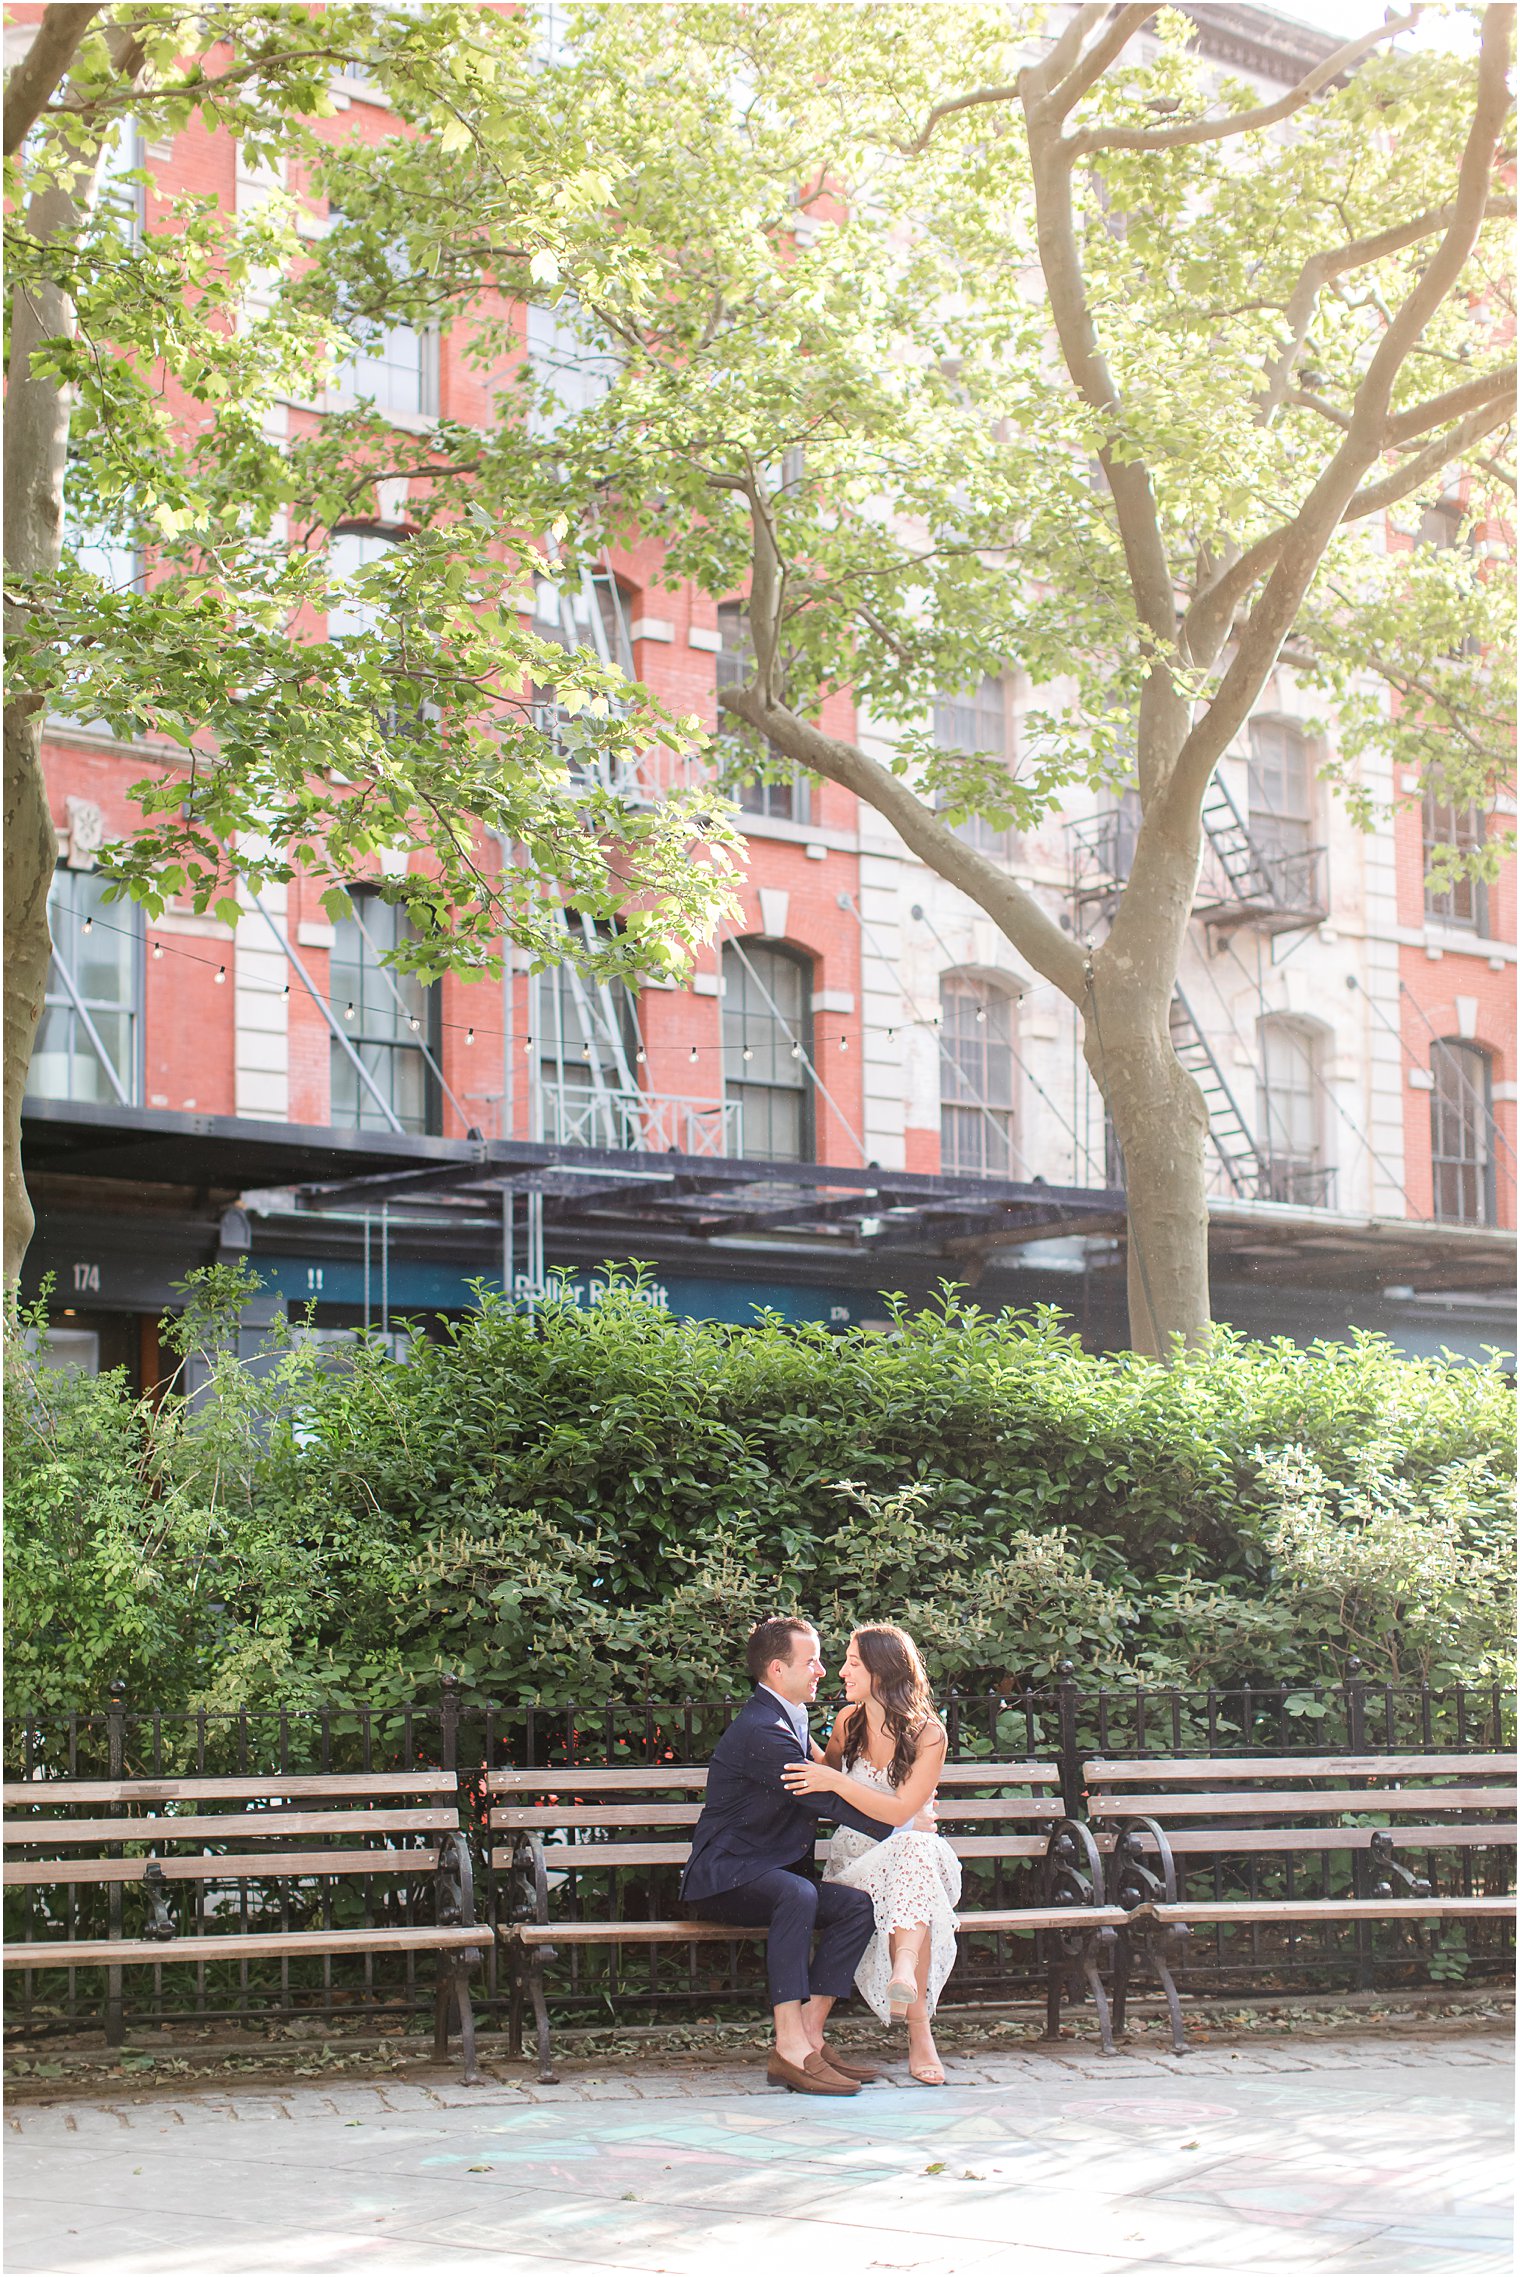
[1061, 263]
[44, 66]
[1244, 122]
[1301, 545]
[1487, 387]
[1089, 68]
[1053, 954]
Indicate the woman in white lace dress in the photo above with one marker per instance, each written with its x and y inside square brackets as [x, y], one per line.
[885, 1756]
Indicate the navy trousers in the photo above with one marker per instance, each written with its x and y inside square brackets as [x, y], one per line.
[795, 1908]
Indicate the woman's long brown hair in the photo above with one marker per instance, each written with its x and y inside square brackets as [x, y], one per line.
[901, 1684]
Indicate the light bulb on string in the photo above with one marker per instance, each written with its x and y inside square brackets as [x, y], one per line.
[221, 975]
[844, 1043]
[527, 1043]
[89, 925]
[748, 1054]
[413, 1022]
[158, 952]
[693, 1055]
[469, 1035]
[981, 1014]
[585, 1051]
[285, 991]
[348, 1011]
[640, 1056]
[796, 1051]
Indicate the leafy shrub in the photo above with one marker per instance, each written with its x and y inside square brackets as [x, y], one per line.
[582, 1503]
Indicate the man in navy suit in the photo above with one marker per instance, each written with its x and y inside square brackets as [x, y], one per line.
[752, 1860]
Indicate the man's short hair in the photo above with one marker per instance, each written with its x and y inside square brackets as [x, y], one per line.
[771, 1639]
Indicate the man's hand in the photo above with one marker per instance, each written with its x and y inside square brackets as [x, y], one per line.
[813, 1778]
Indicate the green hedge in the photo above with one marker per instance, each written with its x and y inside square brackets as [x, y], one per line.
[576, 1505]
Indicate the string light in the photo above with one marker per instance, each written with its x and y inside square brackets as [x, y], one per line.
[527, 1043]
[796, 1051]
[469, 1035]
[640, 1056]
[285, 991]
[693, 1055]
[844, 1043]
[158, 952]
[221, 975]
[981, 1014]
[748, 1054]
[348, 1011]
[88, 926]
[586, 1050]
[413, 1022]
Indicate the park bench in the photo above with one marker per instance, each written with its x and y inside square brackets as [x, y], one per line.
[288, 1829]
[1155, 1816]
[567, 1825]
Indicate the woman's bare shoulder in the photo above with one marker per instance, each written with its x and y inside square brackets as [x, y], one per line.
[931, 1738]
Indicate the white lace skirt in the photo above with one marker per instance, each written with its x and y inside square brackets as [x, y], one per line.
[909, 1878]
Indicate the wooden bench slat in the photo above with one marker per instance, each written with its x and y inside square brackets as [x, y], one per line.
[301, 1785]
[240, 1826]
[257, 1945]
[1332, 1909]
[694, 1775]
[1027, 1918]
[522, 1817]
[35, 1873]
[1244, 1842]
[1137, 1771]
[1241, 1805]
[591, 1857]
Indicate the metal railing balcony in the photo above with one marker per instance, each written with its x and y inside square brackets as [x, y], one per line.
[641, 1122]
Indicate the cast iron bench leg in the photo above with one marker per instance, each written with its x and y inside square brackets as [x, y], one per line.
[535, 1968]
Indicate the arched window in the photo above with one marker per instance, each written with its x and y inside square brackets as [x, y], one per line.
[587, 1041]
[1461, 1133]
[1282, 789]
[767, 1044]
[976, 1114]
[387, 1016]
[1289, 1129]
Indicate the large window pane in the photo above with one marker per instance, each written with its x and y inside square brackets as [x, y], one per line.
[788, 799]
[1465, 901]
[1461, 1134]
[976, 1079]
[101, 944]
[976, 722]
[1281, 783]
[387, 1016]
[1288, 1116]
[767, 1029]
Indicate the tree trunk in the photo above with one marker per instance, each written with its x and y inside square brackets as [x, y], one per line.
[30, 852]
[36, 456]
[1162, 1125]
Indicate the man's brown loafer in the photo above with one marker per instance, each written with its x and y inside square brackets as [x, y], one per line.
[865, 2073]
[812, 2078]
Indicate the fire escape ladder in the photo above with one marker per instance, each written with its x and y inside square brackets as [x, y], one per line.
[1249, 876]
[1233, 1142]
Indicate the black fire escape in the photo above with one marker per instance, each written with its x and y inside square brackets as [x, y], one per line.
[1248, 877]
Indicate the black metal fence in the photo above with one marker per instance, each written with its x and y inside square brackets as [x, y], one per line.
[1067, 1723]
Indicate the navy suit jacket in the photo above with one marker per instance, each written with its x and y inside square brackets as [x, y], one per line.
[749, 1822]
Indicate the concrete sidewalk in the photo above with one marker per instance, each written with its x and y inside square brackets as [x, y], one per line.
[1379, 2156]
